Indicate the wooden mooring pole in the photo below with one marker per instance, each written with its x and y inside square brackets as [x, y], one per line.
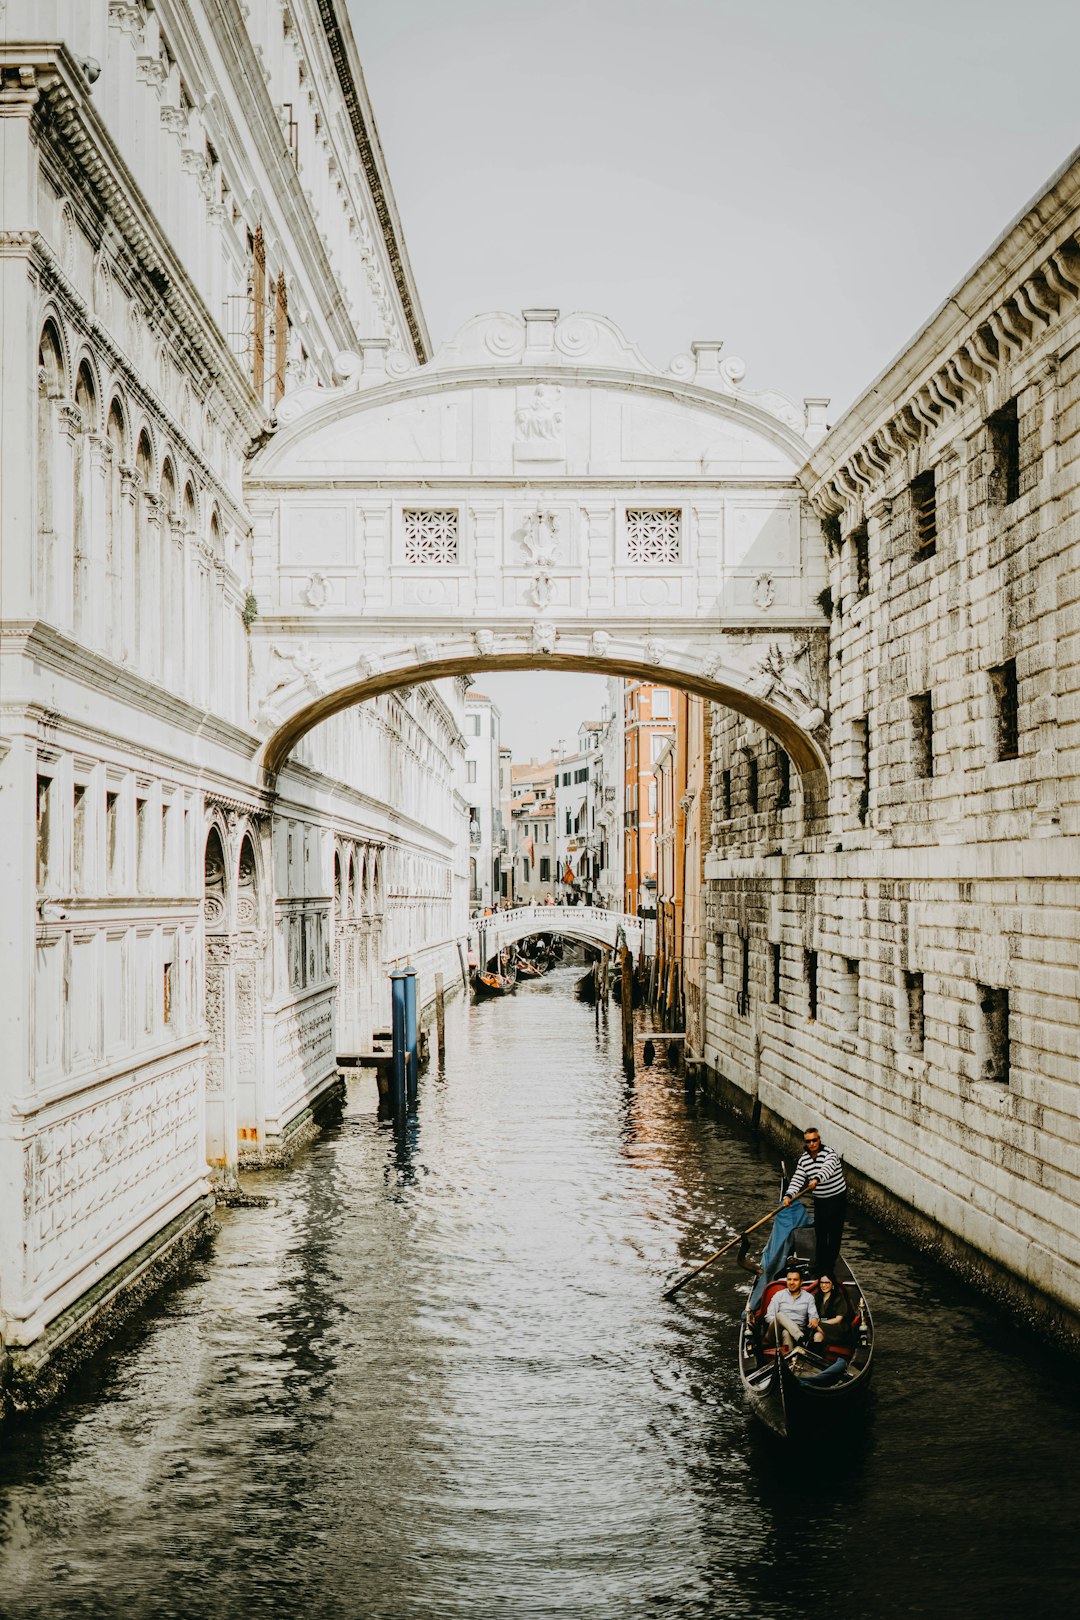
[626, 990]
[440, 1018]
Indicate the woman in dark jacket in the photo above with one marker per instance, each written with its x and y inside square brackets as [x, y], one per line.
[836, 1319]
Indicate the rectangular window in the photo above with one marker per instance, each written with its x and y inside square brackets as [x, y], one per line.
[566, 779]
[582, 775]
[569, 823]
[470, 770]
[168, 993]
[719, 958]
[924, 515]
[916, 1021]
[725, 794]
[783, 778]
[44, 828]
[112, 838]
[1004, 428]
[661, 703]
[545, 869]
[921, 708]
[142, 851]
[431, 537]
[860, 736]
[810, 975]
[860, 552]
[78, 838]
[653, 535]
[849, 994]
[774, 974]
[472, 725]
[1006, 710]
[993, 1043]
[752, 782]
[742, 1000]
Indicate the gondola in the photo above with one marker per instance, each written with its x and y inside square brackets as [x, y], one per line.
[782, 1389]
[529, 970]
[492, 984]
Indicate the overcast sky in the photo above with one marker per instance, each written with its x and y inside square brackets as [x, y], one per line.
[805, 181]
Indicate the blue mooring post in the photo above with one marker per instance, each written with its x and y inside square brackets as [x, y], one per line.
[406, 1064]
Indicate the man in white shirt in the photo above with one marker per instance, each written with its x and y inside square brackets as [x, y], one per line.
[794, 1311]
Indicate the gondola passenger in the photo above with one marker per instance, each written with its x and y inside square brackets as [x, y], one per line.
[794, 1311]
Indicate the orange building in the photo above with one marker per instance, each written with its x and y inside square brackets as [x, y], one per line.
[682, 812]
[649, 723]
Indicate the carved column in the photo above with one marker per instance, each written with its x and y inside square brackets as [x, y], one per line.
[130, 485]
[148, 591]
[97, 459]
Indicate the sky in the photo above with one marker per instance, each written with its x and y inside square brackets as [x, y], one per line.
[805, 181]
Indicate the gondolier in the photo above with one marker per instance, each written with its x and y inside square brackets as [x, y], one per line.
[820, 1172]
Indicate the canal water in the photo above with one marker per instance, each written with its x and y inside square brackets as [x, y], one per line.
[437, 1378]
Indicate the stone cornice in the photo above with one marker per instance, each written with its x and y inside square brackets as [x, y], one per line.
[55, 651]
[1022, 291]
[343, 50]
[68, 118]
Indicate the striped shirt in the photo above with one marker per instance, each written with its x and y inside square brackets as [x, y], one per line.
[826, 1170]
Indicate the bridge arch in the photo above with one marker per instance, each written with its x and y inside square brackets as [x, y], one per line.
[539, 496]
[592, 925]
[306, 701]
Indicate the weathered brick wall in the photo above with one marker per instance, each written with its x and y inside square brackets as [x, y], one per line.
[941, 897]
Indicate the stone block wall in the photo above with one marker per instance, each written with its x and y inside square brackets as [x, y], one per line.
[908, 976]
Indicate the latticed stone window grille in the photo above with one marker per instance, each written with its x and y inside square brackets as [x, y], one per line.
[653, 534]
[431, 537]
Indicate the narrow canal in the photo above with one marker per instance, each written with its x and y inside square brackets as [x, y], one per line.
[437, 1378]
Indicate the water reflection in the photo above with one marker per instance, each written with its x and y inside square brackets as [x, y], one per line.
[437, 1378]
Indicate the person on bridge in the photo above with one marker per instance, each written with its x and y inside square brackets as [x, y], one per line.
[819, 1171]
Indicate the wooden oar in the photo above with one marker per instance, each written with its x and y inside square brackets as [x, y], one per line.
[670, 1293]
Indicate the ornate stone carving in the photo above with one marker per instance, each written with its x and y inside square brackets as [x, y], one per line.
[653, 534]
[539, 422]
[316, 592]
[542, 637]
[431, 537]
[542, 591]
[789, 672]
[484, 641]
[764, 592]
[540, 538]
[599, 644]
[424, 650]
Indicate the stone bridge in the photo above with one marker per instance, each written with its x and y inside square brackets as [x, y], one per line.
[591, 924]
[538, 496]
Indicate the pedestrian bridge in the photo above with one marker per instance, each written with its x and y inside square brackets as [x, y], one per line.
[591, 924]
[538, 496]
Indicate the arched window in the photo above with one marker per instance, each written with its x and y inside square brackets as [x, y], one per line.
[116, 436]
[247, 887]
[50, 392]
[86, 403]
[147, 641]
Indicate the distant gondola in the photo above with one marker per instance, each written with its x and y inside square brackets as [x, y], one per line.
[492, 984]
[781, 1388]
[529, 970]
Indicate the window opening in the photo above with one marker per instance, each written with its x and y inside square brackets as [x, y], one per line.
[924, 514]
[810, 975]
[1004, 428]
[1005, 697]
[921, 707]
[994, 1054]
[916, 1018]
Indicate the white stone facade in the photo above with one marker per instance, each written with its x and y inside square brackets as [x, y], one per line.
[906, 969]
[193, 220]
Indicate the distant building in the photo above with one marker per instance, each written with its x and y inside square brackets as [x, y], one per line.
[648, 718]
[482, 789]
[575, 828]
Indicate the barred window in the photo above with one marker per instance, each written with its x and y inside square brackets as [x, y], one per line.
[653, 535]
[431, 537]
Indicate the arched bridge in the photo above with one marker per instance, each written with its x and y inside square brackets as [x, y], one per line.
[538, 496]
[591, 924]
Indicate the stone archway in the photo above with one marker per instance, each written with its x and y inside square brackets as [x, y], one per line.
[538, 495]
